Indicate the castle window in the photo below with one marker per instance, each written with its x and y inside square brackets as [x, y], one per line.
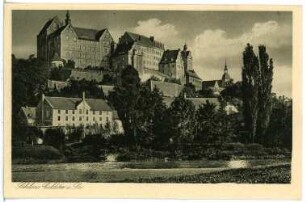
[66, 118]
[80, 119]
[59, 111]
[73, 118]
[59, 118]
[66, 111]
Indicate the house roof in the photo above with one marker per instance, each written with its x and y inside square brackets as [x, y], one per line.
[144, 41]
[30, 112]
[88, 34]
[71, 103]
[211, 83]
[123, 48]
[82, 33]
[170, 56]
[155, 73]
[48, 23]
[192, 73]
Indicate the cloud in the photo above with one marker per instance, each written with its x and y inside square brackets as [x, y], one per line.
[211, 47]
[165, 33]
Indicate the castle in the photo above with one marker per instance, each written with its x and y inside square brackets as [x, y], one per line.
[59, 43]
[62, 42]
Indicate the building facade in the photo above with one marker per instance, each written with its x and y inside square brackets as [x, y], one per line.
[172, 64]
[138, 51]
[62, 111]
[63, 41]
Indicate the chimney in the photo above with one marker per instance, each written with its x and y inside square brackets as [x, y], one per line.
[83, 96]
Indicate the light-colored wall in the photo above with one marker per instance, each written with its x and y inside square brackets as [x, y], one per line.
[82, 115]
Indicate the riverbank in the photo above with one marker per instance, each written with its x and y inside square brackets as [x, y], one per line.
[280, 174]
[140, 171]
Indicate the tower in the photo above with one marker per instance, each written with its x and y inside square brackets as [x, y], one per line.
[67, 20]
[226, 79]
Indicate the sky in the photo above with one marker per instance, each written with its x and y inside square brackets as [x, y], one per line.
[213, 37]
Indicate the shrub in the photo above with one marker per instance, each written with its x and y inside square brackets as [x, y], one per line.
[37, 153]
[254, 149]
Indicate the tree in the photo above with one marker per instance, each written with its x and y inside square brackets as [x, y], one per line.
[55, 138]
[264, 93]
[125, 98]
[181, 121]
[250, 82]
[257, 76]
[279, 131]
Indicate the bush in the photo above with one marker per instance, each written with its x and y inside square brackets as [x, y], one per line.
[254, 149]
[36, 154]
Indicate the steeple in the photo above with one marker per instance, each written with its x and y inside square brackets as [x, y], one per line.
[225, 67]
[68, 20]
[185, 47]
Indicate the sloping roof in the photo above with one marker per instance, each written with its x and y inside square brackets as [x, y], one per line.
[57, 32]
[71, 103]
[48, 23]
[30, 112]
[170, 56]
[107, 89]
[144, 41]
[155, 73]
[82, 33]
[88, 34]
[192, 73]
[123, 48]
[211, 83]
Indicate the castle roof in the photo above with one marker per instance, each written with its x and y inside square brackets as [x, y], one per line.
[123, 48]
[82, 33]
[193, 74]
[170, 56]
[48, 23]
[89, 34]
[71, 103]
[144, 41]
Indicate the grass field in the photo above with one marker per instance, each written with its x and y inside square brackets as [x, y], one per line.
[128, 172]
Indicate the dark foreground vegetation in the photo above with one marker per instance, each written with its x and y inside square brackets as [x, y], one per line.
[269, 174]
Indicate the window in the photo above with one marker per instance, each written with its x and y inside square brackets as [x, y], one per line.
[58, 118]
[93, 112]
[73, 118]
[100, 113]
[80, 111]
[59, 111]
[66, 111]
[107, 119]
[66, 118]
[80, 119]
[72, 111]
[100, 118]
[86, 111]
[94, 119]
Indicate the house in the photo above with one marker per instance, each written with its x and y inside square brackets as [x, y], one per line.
[28, 116]
[58, 42]
[63, 111]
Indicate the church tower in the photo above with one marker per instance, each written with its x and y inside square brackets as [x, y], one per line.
[68, 20]
[226, 79]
